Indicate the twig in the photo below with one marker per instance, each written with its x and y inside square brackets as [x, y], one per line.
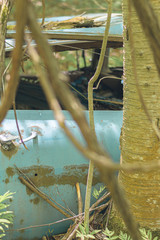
[80, 203]
[91, 117]
[43, 12]
[113, 77]
[67, 208]
[100, 200]
[19, 132]
[29, 180]
[72, 231]
[31, 187]
[99, 5]
[52, 223]
[109, 211]
[4, 73]
[101, 208]
[95, 99]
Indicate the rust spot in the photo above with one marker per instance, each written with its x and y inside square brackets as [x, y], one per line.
[35, 200]
[21, 221]
[37, 129]
[45, 176]
[11, 152]
[10, 171]
[7, 180]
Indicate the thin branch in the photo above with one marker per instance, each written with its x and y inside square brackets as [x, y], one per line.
[33, 189]
[52, 223]
[91, 117]
[108, 215]
[29, 180]
[11, 88]
[17, 125]
[43, 12]
[67, 208]
[105, 77]
[80, 203]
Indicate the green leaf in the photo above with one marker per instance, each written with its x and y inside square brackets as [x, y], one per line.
[4, 221]
[2, 235]
[156, 238]
[90, 236]
[82, 229]
[1, 229]
[95, 232]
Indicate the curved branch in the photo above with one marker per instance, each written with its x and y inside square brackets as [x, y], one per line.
[11, 88]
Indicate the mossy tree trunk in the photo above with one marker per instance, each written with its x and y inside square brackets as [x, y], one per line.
[5, 9]
[139, 143]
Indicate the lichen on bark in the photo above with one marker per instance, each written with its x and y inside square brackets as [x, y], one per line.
[139, 143]
[4, 13]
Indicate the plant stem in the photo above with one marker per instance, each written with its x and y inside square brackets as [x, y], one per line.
[91, 117]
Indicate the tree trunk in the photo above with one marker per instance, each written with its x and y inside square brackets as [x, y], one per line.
[4, 13]
[139, 143]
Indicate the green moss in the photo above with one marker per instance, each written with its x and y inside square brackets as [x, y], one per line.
[4, 14]
[4, 17]
[116, 223]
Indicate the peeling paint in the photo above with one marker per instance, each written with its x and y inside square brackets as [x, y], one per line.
[44, 176]
[35, 200]
[21, 221]
[11, 152]
[10, 171]
[7, 180]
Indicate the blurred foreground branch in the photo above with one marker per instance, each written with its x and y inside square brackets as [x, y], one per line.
[12, 84]
[61, 91]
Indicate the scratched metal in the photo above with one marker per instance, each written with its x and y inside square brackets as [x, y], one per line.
[53, 163]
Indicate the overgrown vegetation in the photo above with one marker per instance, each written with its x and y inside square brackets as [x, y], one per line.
[110, 235]
[6, 216]
[53, 88]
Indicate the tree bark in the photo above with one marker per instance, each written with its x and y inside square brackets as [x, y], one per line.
[4, 13]
[139, 143]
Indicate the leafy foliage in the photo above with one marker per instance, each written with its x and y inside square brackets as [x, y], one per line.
[6, 217]
[110, 235]
[146, 235]
[84, 235]
[96, 192]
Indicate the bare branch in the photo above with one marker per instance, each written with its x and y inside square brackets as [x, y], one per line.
[11, 88]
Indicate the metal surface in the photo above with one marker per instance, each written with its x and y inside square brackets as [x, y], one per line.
[90, 37]
[53, 164]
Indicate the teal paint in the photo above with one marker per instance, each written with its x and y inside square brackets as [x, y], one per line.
[50, 159]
